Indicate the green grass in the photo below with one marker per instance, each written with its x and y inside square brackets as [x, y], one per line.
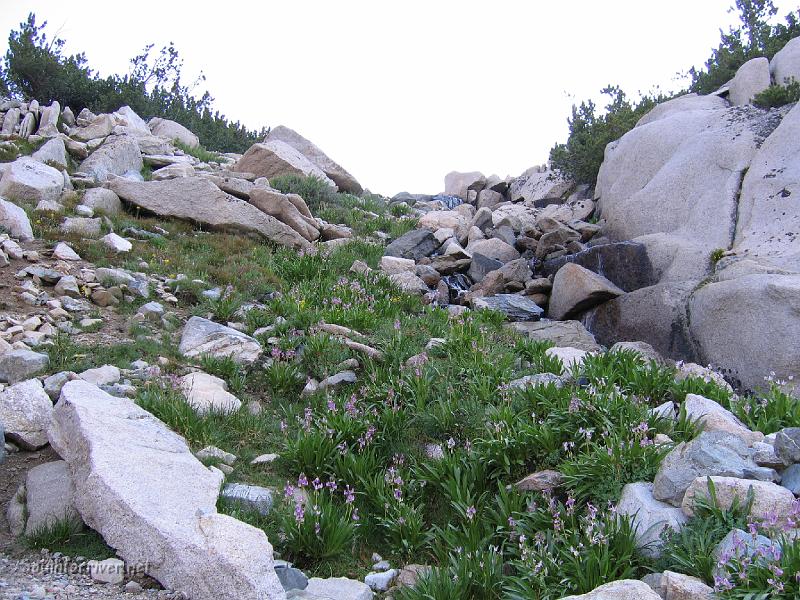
[71, 538]
[199, 153]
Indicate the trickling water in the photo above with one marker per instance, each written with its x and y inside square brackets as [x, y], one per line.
[458, 285]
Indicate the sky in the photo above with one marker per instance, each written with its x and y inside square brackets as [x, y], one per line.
[401, 93]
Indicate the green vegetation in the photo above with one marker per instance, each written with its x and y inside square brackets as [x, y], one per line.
[591, 129]
[36, 67]
[71, 538]
[778, 95]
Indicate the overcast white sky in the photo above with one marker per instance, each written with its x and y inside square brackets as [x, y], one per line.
[400, 93]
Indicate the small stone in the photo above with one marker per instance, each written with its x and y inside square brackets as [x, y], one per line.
[84, 211]
[110, 570]
[212, 452]
[132, 587]
[250, 496]
[116, 243]
[63, 251]
[264, 459]
[380, 582]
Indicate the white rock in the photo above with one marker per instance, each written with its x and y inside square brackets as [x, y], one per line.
[105, 375]
[624, 589]
[785, 65]
[54, 153]
[49, 496]
[206, 393]
[63, 251]
[768, 497]
[382, 581]
[140, 487]
[27, 179]
[110, 570]
[569, 357]
[339, 588]
[392, 265]
[649, 516]
[751, 79]
[25, 411]
[116, 243]
[201, 336]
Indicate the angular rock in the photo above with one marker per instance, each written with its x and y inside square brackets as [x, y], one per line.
[140, 487]
[251, 497]
[768, 497]
[790, 479]
[624, 589]
[713, 417]
[290, 578]
[649, 517]
[391, 265]
[63, 251]
[82, 226]
[103, 200]
[116, 243]
[459, 184]
[17, 365]
[136, 283]
[443, 219]
[118, 155]
[569, 357]
[561, 333]
[343, 180]
[625, 264]
[740, 545]
[787, 445]
[540, 481]
[709, 454]
[409, 283]
[481, 266]
[14, 220]
[26, 179]
[413, 245]
[514, 307]
[53, 153]
[538, 187]
[381, 581]
[99, 127]
[677, 586]
[274, 158]
[495, 249]
[576, 289]
[201, 336]
[173, 131]
[105, 375]
[200, 201]
[206, 393]
[49, 496]
[285, 208]
[25, 411]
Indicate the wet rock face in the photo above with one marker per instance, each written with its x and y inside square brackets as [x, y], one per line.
[625, 264]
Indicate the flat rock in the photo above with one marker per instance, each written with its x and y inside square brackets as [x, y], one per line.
[139, 486]
[413, 245]
[251, 497]
[713, 417]
[494, 248]
[200, 201]
[117, 155]
[201, 336]
[561, 333]
[25, 410]
[99, 376]
[173, 131]
[516, 308]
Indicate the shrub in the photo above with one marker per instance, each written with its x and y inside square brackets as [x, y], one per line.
[778, 95]
[590, 131]
[313, 190]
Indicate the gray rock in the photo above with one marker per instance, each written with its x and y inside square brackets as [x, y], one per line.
[136, 282]
[787, 445]
[645, 351]
[625, 264]
[139, 486]
[561, 333]
[459, 184]
[54, 153]
[576, 289]
[338, 588]
[709, 454]
[481, 265]
[516, 308]
[152, 311]
[54, 383]
[336, 380]
[173, 131]
[624, 589]
[750, 79]
[494, 248]
[785, 65]
[537, 380]
[790, 479]
[381, 581]
[251, 497]
[118, 155]
[649, 516]
[534, 186]
[49, 496]
[200, 201]
[103, 200]
[290, 578]
[201, 336]
[15, 221]
[27, 179]
[275, 157]
[25, 411]
[739, 545]
[18, 365]
[343, 180]
[82, 226]
[415, 245]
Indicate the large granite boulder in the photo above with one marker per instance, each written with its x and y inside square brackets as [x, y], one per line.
[27, 179]
[201, 336]
[750, 79]
[274, 158]
[118, 155]
[138, 484]
[460, 184]
[785, 65]
[173, 131]
[343, 180]
[538, 187]
[200, 201]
